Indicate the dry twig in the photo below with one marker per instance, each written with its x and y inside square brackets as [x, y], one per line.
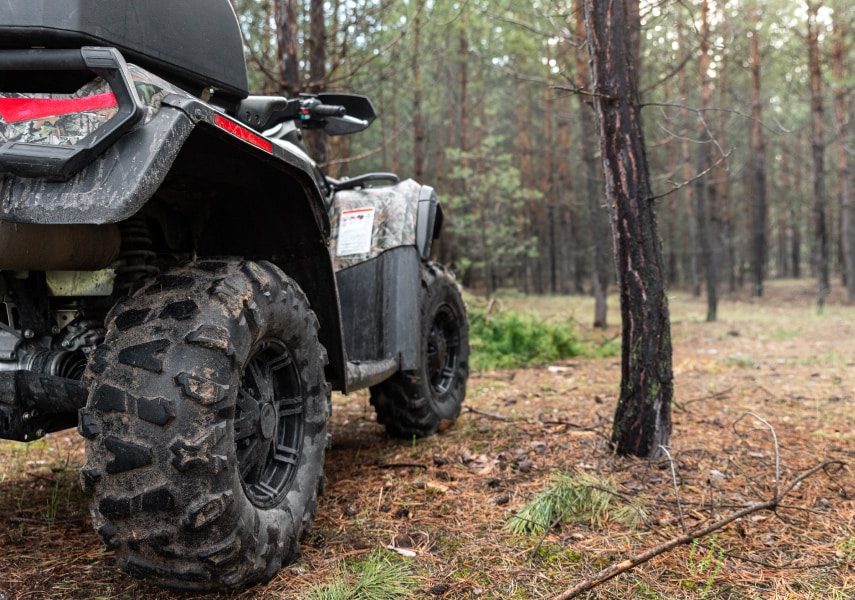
[771, 505]
[488, 415]
[688, 538]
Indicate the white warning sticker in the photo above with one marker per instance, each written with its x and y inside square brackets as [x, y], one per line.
[354, 231]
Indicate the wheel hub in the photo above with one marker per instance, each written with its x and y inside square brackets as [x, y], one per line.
[437, 350]
[268, 421]
[443, 348]
[268, 424]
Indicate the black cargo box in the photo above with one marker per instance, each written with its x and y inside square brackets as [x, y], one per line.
[193, 43]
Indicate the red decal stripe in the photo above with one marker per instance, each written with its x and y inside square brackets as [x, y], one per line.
[13, 110]
[243, 133]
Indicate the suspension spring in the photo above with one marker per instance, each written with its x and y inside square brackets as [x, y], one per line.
[136, 255]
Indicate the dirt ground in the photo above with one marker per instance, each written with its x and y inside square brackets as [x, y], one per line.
[768, 389]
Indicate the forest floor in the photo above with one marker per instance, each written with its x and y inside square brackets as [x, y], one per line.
[446, 501]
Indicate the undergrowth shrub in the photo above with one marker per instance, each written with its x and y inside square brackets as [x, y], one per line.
[507, 340]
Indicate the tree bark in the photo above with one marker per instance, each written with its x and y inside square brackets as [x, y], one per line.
[643, 417]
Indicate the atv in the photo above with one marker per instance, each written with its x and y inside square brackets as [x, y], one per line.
[181, 282]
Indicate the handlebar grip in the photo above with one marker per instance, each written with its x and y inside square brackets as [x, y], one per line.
[328, 110]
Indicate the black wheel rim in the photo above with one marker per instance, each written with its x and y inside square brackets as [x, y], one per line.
[443, 349]
[269, 423]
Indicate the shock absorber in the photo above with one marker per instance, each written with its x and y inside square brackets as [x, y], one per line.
[136, 255]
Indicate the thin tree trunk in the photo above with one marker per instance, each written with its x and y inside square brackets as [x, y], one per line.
[643, 417]
[818, 153]
[286, 37]
[393, 118]
[758, 158]
[795, 212]
[418, 117]
[526, 227]
[547, 186]
[689, 204]
[270, 84]
[317, 70]
[705, 214]
[725, 209]
[844, 192]
[564, 186]
[597, 217]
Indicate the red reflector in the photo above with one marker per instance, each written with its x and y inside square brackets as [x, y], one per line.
[13, 110]
[243, 133]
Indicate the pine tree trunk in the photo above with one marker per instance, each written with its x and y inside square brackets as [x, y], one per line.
[602, 269]
[818, 153]
[725, 209]
[564, 184]
[418, 117]
[317, 71]
[795, 208]
[692, 216]
[286, 37]
[844, 175]
[758, 158]
[706, 213]
[643, 417]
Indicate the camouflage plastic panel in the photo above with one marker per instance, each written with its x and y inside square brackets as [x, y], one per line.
[369, 221]
[152, 89]
[68, 129]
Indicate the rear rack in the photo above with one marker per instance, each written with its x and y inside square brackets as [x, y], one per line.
[60, 162]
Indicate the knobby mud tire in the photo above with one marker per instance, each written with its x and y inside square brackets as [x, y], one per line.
[420, 402]
[206, 426]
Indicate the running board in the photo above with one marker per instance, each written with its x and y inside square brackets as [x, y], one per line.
[364, 374]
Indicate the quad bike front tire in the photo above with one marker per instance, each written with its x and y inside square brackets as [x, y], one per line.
[206, 426]
[421, 401]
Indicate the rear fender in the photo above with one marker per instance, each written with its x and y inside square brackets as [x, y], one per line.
[108, 190]
[235, 192]
[244, 196]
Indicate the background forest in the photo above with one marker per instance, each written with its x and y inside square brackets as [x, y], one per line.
[746, 116]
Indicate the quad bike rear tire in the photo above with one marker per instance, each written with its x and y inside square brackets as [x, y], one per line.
[420, 402]
[206, 426]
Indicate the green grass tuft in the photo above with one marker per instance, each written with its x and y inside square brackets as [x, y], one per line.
[574, 497]
[378, 577]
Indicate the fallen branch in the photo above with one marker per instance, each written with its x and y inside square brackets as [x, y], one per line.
[402, 465]
[488, 414]
[689, 537]
[715, 396]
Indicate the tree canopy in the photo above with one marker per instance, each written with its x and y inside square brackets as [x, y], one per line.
[487, 101]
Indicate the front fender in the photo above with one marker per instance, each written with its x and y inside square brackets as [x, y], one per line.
[404, 214]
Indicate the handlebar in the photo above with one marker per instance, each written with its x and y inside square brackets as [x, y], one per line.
[324, 110]
[343, 114]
